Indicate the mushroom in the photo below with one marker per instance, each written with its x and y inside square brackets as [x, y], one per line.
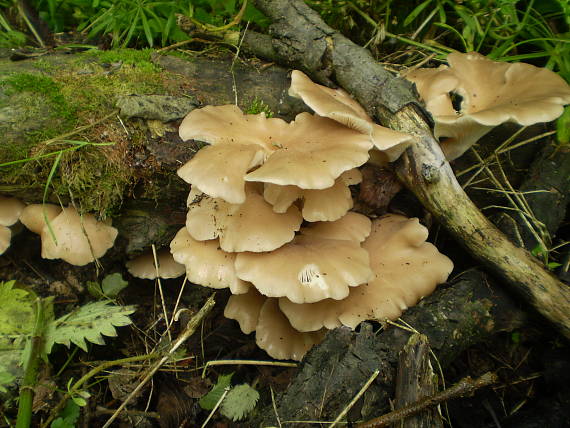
[251, 226]
[77, 239]
[273, 332]
[219, 170]
[206, 264]
[318, 205]
[245, 308]
[310, 152]
[144, 267]
[406, 268]
[492, 93]
[34, 216]
[313, 154]
[10, 210]
[338, 105]
[275, 335]
[308, 269]
[5, 237]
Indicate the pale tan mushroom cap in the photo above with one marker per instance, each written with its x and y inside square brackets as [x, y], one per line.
[339, 106]
[245, 308]
[80, 239]
[252, 226]
[406, 268]
[492, 93]
[227, 124]
[306, 270]
[434, 85]
[143, 266]
[351, 227]
[5, 237]
[206, 264]
[318, 205]
[313, 154]
[219, 170]
[275, 335]
[34, 216]
[497, 92]
[10, 210]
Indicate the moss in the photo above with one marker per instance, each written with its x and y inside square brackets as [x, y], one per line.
[43, 86]
[77, 91]
[257, 106]
[139, 58]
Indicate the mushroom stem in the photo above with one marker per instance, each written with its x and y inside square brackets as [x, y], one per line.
[425, 171]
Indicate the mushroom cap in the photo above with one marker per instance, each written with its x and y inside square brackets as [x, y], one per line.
[143, 266]
[492, 93]
[351, 227]
[275, 335]
[10, 210]
[434, 85]
[206, 264]
[34, 216]
[318, 205]
[313, 154]
[245, 308]
[79, 239]
[497, 92]
[406, 268]
[339, 106]
[251, 226]
[5, 237]
[219, 170]
[306, 270]
[227, 124]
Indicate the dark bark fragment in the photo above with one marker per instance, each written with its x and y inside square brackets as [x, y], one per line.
[416, 380]
[453, 318]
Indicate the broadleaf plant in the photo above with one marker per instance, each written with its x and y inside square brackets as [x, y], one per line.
[239, 402]
[89, 323]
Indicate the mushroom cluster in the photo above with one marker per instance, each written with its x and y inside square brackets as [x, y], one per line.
[491, 93]
[65, 234]
[268, 218]
[10, 212]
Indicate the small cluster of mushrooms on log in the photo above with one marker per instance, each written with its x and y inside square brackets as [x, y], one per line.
[269, 207]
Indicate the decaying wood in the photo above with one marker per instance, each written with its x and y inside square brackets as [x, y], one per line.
[415, 381]
[455, 317]
[302, 40]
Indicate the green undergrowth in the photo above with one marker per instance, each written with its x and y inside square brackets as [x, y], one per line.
[46, 104]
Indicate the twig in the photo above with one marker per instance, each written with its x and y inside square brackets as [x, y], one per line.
[464, 387]
[185, 335]
[246, 362]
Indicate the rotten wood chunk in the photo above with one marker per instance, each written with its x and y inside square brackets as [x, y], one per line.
[378, 187]
[416, 380]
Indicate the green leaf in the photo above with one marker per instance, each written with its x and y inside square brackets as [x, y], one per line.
[68, 416]
[113, 284]
[16, 325]
[88, 323]
[239, 402]
[5, 379]
[415, 13]
[209, 401]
